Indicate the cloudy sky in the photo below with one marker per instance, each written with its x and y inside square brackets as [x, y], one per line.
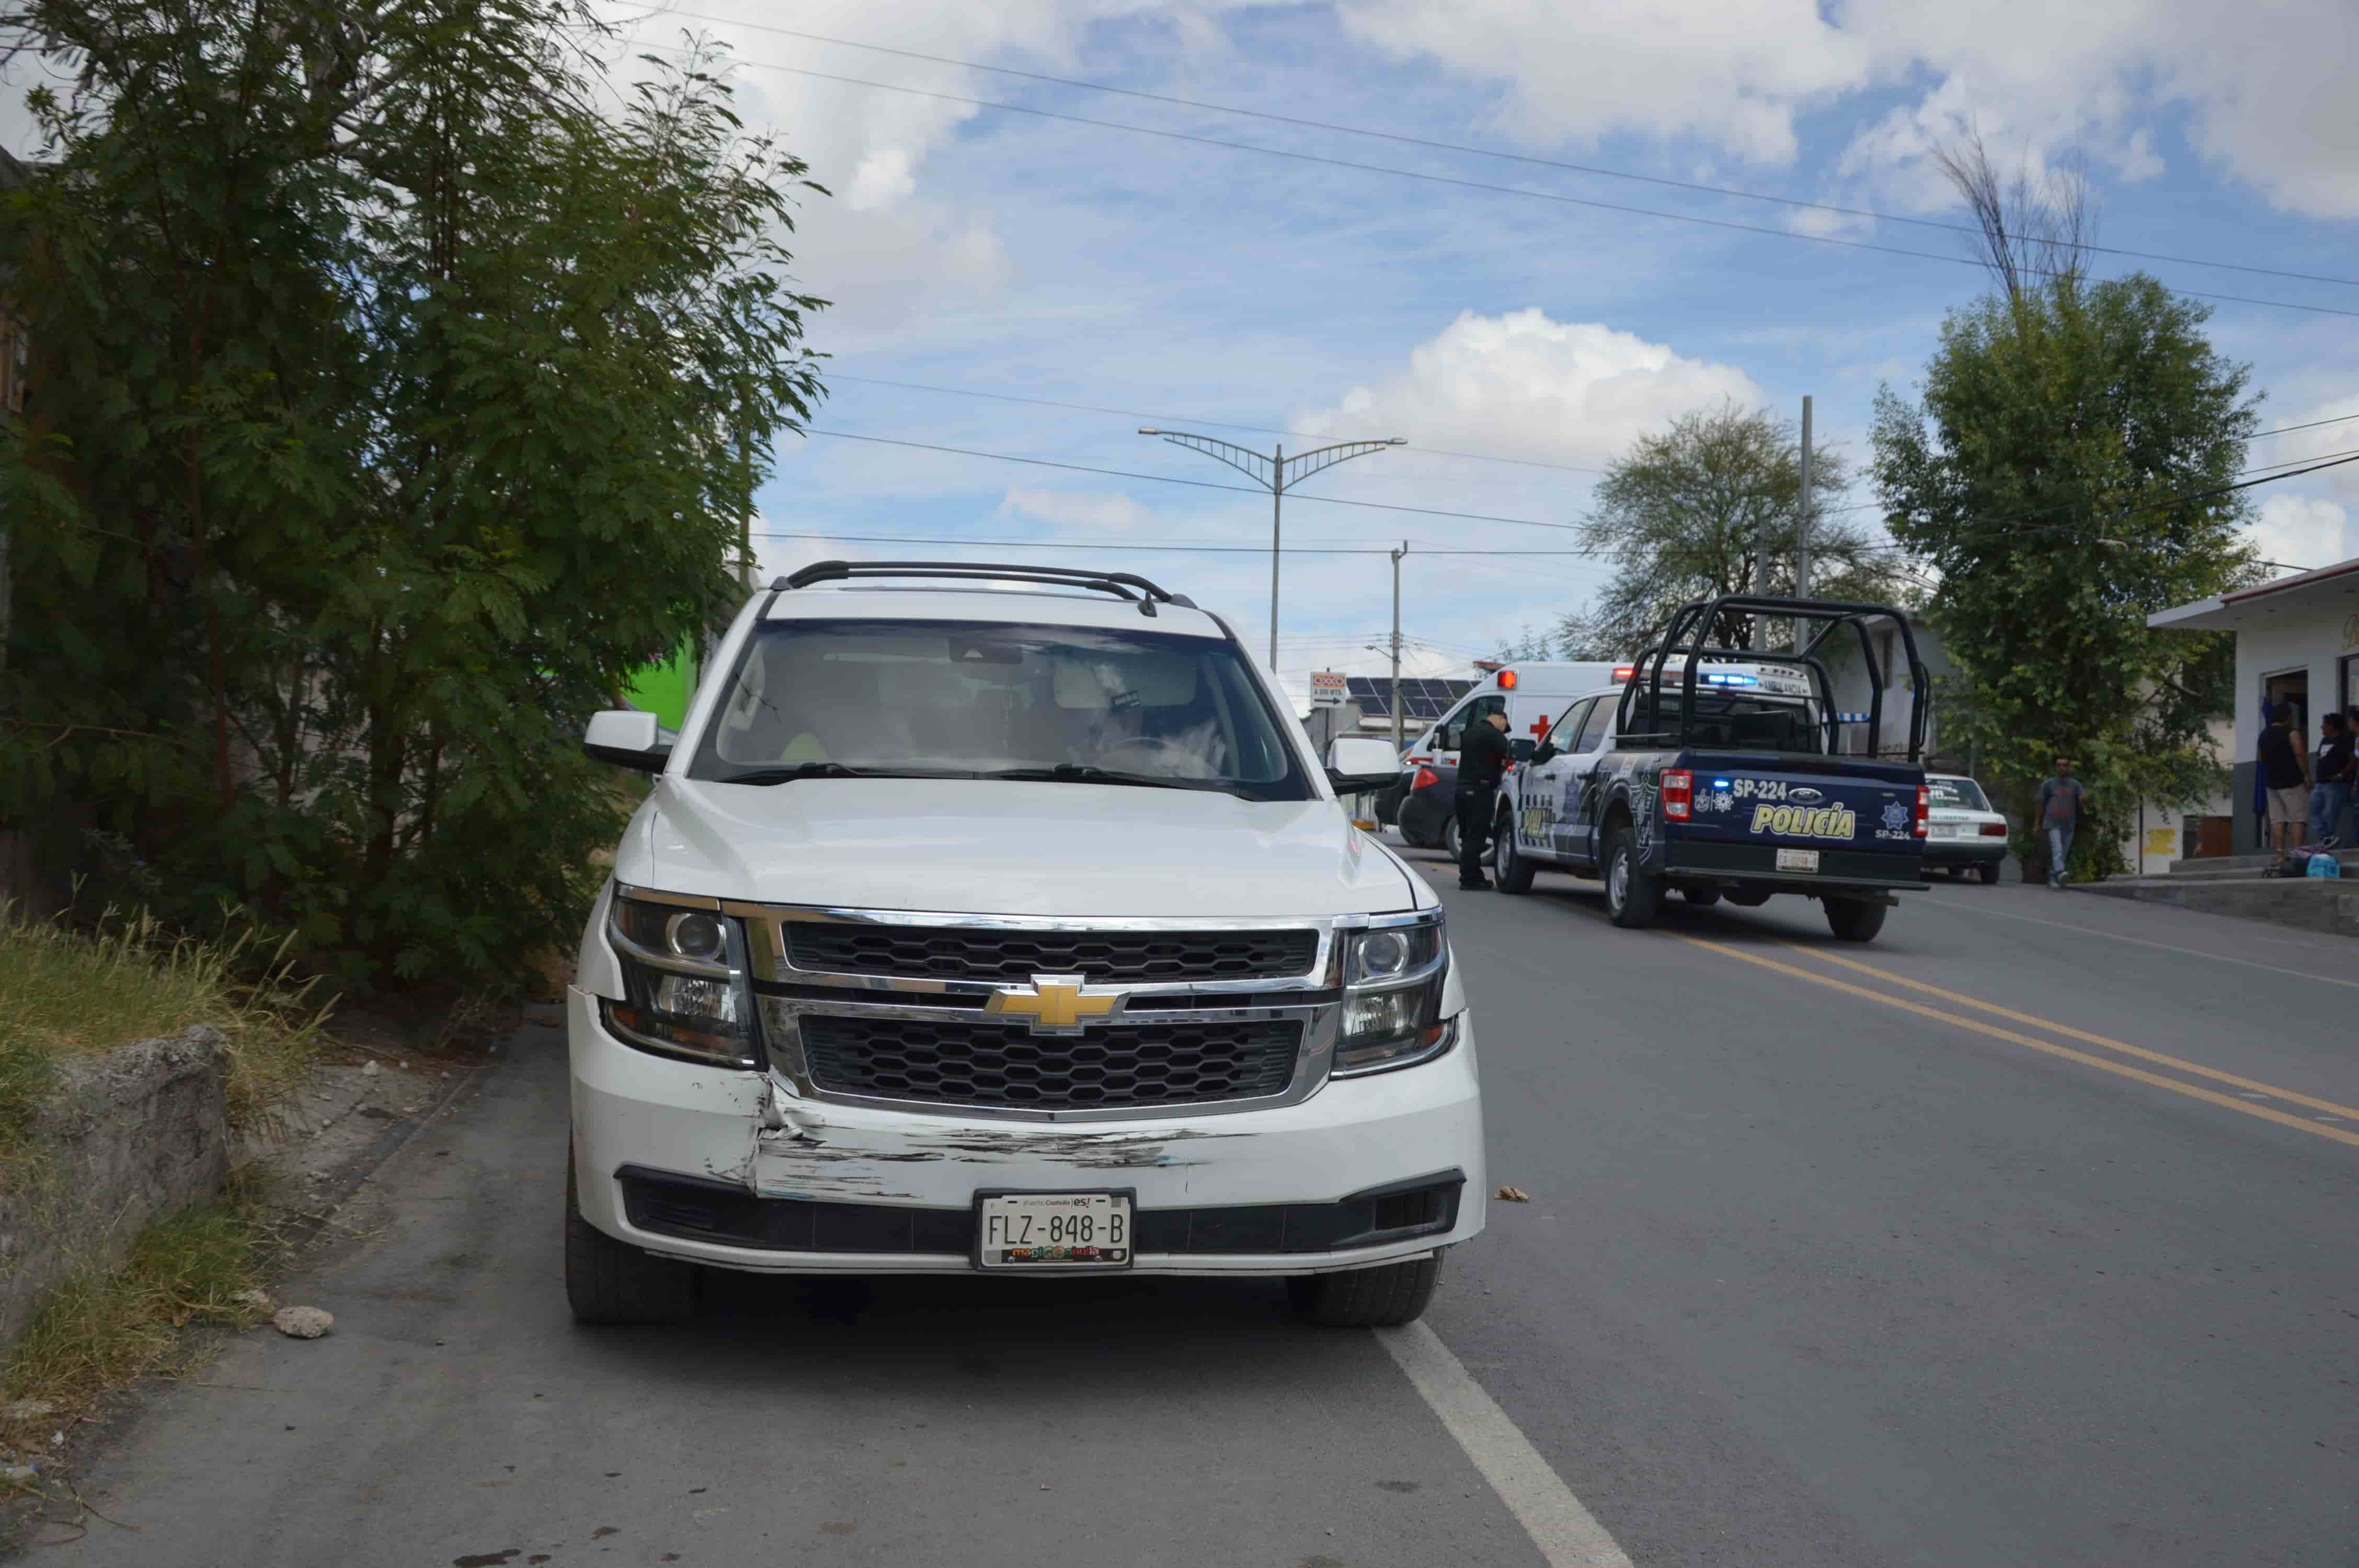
[1518, 321]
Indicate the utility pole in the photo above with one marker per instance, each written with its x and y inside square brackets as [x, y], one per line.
[1803, 522]
[1396, 555]
[1278, 473]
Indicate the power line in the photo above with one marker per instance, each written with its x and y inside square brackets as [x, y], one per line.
[1431, 143]
[1193, 484]
[1184, 419]
[2314, 423]
[1466, 184]
[1151, 549]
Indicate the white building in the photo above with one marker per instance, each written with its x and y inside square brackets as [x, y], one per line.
[2298, 643]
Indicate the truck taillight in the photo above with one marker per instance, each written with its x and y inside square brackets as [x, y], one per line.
[1679, 795]
[1924, 809]
[1426, 779]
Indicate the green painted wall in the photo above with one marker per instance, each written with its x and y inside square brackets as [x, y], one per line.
[664, 689]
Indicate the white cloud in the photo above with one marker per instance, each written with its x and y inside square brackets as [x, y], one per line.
[1095, 509]
[1733, 73]
[2264, 85]
[1521, 384]
[2306, 531]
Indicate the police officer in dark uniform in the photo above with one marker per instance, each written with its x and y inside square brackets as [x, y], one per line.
[1480, 762]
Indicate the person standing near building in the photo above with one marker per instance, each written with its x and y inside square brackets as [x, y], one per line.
[2337, 758]
[2059, 814]
[1481, 764]
[2285, 774]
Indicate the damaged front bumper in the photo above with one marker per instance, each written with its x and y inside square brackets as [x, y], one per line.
[730, 1168]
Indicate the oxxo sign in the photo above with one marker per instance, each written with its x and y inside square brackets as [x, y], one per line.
[1327, 688]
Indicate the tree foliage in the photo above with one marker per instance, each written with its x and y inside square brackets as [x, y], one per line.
[2065, 475]
[1681, 517]
[394, 396]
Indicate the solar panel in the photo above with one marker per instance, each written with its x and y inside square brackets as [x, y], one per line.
[1422, 697]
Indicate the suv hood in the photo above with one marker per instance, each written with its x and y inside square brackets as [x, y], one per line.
[964, 847]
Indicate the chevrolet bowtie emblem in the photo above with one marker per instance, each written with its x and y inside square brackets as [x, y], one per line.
[1057, 1004]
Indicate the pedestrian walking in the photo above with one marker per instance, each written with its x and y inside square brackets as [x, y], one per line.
[2059, 814]
[2338, 758]
[1481, 762]
[2285, 774]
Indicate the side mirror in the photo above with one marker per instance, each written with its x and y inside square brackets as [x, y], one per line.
[1521, 746]
[1543, 752]
[627, 738]
[1358, 766]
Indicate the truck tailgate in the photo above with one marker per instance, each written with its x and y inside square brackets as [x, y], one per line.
[1786, 801]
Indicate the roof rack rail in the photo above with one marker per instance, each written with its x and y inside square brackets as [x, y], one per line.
[1121, 585]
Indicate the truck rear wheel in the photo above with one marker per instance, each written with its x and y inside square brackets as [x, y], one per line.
[1508, 867]
[1448, 842]
[1385, 1296]
[1632, 896]
[1853, 919]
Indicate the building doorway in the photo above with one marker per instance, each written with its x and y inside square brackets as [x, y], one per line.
[2288, 686]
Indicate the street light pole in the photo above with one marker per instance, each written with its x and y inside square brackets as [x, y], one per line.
[1397, 556]
[1278, 473]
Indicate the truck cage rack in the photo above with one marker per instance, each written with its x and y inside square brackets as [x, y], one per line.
[1126, 586]
[1698, 619]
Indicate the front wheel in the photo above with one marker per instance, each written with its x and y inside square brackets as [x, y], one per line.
[610, 1281]
[1632, 896]
[1385, 1296]
[1510, 869]
[1855, 919]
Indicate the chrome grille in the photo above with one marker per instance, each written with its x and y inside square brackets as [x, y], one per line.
[1009, 956]
[1124, 1067]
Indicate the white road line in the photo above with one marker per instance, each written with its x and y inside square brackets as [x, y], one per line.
[1564, 1532]
[2140, 941]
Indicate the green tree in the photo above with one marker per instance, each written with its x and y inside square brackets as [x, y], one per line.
[395, 397]
[2066, 474]
[1681, 517]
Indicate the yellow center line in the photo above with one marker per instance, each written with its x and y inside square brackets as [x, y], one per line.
[2106, 1041]
[2265, 1112]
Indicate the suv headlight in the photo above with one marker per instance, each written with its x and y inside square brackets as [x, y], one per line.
[684, 985]
[1392, 998]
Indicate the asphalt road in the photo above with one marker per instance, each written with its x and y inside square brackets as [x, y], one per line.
[2051, 1258]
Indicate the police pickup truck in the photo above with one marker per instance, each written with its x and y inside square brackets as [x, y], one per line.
[1728, 773]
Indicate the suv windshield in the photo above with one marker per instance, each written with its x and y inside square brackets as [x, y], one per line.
[1958, 794]
[975, 700]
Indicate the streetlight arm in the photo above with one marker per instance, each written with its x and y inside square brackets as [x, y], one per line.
[1256, 466]
[1302, 465]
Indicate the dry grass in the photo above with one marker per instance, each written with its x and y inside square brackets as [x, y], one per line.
[102, 1330]
[67, 992]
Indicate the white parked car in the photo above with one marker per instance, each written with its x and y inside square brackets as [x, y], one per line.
[1962, 834]
[1010, 929]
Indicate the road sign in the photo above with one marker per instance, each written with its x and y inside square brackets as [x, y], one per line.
[1327, 688]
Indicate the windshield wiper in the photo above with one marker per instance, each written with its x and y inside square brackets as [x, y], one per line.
[1085, 772]
[814, 771]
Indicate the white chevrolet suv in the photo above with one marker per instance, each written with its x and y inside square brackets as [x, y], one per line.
[1002, 919]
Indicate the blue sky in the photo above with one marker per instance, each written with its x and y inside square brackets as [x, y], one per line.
[989, 252]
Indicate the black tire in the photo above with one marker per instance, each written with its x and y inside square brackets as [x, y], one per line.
[1385, 1296]
[1448, 840]
[1508, 867]
[1853, 919]
[1990, 873]
[1701, 897]
[1748, 897]
[1633, 897]
[609, 1281]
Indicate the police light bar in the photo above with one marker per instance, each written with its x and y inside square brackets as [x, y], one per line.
[1506, 680]
[1623, 672]
[1727, 678]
